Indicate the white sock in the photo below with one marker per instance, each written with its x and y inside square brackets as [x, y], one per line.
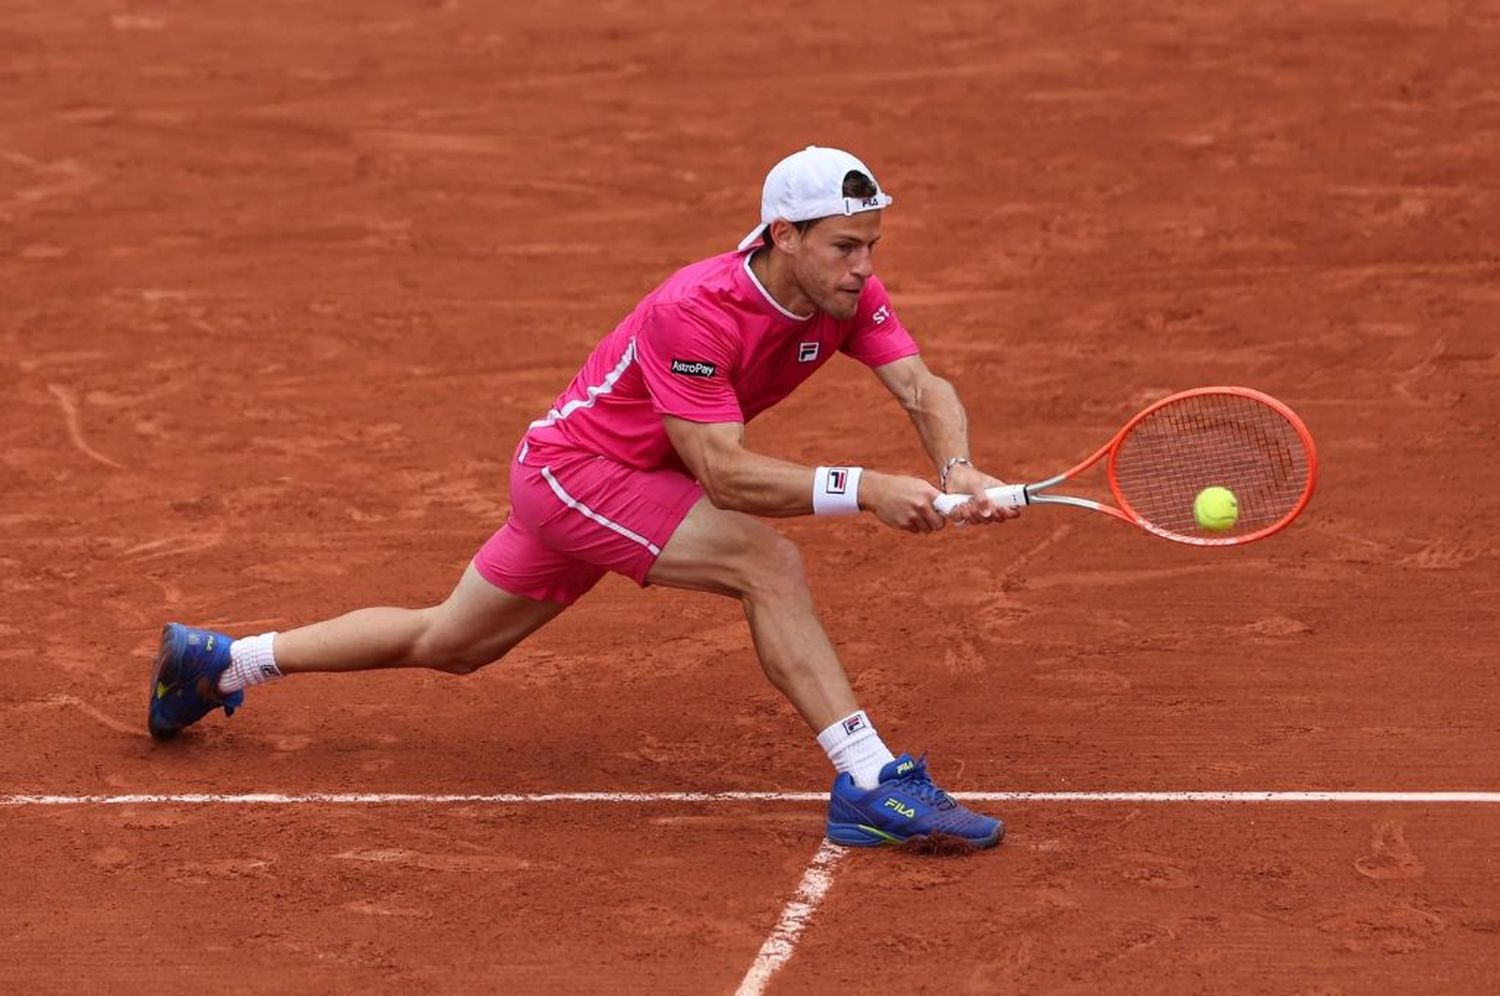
[251, 662]
[853, 746]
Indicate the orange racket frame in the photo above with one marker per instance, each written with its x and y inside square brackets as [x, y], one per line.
[1019, 495]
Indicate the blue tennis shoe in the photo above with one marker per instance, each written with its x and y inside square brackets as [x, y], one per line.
[185, 681]
[906, 807]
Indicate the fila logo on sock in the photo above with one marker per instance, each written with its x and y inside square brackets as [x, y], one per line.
[807, 352]
[855, 722]
[838, 481]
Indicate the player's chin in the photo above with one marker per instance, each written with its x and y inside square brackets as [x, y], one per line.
[841, 305]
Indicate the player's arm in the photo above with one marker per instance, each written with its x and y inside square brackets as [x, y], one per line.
[935, 409]
[737, 478]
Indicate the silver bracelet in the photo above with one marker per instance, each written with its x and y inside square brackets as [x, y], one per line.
[948, 468]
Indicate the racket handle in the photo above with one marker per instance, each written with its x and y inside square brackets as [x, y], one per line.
[1006, 496]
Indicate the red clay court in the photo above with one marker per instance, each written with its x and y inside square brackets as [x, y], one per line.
[284, 282]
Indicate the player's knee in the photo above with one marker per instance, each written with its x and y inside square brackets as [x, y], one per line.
[446, 651]
[775, 568]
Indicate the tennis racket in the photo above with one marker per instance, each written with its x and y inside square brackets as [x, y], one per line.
[1229, 437]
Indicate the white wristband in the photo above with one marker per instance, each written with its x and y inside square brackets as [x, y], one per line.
[836, 491]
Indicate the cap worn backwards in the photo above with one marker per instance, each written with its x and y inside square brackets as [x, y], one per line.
[810, 184]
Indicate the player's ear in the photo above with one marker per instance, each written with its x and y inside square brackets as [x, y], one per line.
[785, 236]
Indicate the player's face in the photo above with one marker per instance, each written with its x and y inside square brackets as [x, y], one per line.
[833, 260]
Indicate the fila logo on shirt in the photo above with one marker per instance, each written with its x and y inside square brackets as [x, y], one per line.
[693, 368]
[807, 352]
[881, 314]
[837, 482]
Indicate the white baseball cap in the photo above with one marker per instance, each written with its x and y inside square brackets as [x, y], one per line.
[810, 184]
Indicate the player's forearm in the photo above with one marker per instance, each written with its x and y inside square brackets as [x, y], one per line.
[760, 485]
[940, 419]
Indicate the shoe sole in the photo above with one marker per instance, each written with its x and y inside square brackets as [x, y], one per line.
[864, 835]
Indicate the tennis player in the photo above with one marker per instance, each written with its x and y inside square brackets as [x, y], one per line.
[640, 467]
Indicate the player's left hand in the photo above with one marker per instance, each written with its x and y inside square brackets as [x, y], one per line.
[979, 510]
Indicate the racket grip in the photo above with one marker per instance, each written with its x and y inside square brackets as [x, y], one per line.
[1006, 496]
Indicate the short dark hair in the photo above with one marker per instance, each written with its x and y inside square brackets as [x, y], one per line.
[856, 184]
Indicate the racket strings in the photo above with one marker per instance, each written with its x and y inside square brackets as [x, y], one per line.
[1207, 440]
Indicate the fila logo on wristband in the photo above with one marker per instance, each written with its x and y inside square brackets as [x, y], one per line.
[836, 491]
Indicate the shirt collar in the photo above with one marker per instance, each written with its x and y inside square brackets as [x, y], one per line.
[767, 294]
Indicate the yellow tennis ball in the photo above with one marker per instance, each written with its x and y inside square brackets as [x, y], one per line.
[1216, 509]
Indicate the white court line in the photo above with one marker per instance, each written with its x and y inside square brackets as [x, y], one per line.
[782, 940]
[649, 798]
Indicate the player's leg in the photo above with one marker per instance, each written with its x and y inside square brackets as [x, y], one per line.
[476, 625]
[513, 587]
[728, 553]
[876, 798]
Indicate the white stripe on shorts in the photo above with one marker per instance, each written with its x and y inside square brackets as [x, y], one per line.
[579, 506]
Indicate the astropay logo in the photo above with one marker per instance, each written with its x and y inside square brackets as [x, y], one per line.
[693, 368]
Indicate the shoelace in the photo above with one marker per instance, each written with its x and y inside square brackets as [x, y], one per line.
[921, 785]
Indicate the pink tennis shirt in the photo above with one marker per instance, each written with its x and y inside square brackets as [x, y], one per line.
[708, 345]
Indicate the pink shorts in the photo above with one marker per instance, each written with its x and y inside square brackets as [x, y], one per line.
[575, 516]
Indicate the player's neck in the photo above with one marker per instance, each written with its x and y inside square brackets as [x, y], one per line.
[774, 271]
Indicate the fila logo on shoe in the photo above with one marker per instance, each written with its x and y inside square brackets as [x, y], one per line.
[905, 766]
[906, 811]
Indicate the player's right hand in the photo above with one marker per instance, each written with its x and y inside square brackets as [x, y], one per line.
[901, 502]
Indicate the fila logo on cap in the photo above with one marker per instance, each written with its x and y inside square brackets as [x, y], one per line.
[807, 352]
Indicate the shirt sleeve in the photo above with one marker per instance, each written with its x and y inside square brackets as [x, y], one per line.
[686, 361]
[878, 337]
